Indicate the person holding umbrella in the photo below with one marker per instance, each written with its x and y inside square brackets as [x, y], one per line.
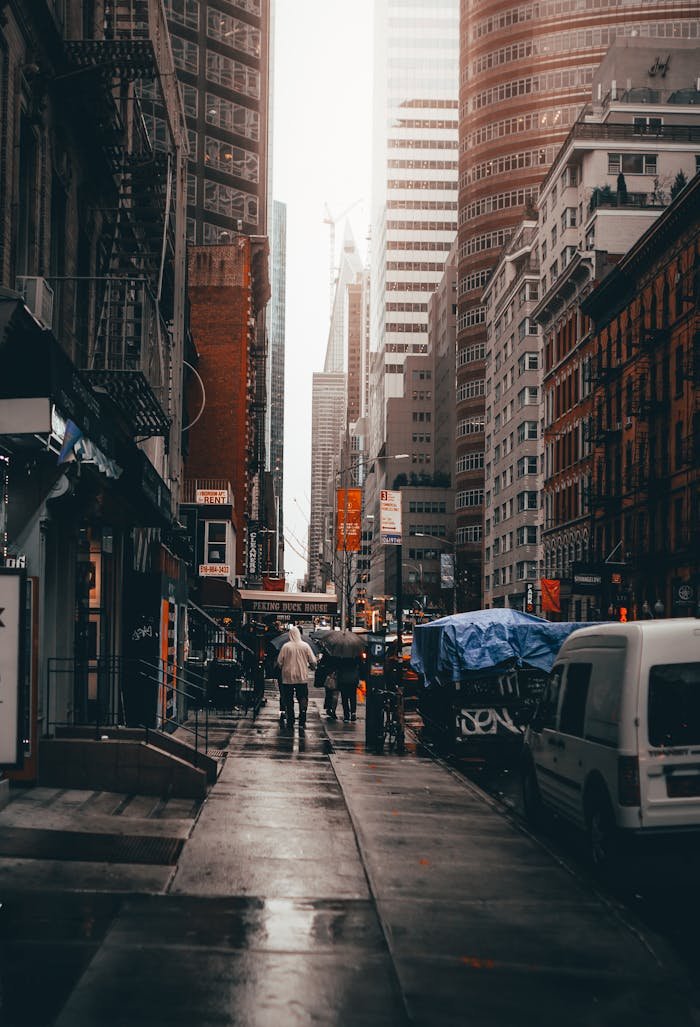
[294, 660]
[345, 650]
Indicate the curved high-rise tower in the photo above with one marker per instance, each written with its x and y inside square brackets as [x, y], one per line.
[525, 72]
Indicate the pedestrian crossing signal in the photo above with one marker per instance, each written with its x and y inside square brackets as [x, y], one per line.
[623, 615]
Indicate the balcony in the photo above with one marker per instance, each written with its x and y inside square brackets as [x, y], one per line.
[121, 342]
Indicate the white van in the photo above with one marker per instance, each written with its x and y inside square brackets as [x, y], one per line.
[614, 745]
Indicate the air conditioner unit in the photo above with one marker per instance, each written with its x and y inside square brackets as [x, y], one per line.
[38, 295]
[628, 422]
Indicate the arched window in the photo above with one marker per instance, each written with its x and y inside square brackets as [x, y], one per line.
[666, 306]
[652, 312]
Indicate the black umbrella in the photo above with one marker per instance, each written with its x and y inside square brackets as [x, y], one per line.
[345, 644]
[284, 637]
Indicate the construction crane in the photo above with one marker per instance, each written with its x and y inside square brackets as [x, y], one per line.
[332, 222]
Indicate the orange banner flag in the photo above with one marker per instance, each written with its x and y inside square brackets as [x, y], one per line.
[550, 595]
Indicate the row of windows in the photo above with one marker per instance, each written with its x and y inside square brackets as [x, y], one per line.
[472, 282]
[507, 162]
[425, 123]
[469, 533]
[470, 462]
[399, 183]
[423, 144]
[410, 286]
[421, 226]
[471, 389]
[422, 415]
[410, 308]
[573, 41]
[232, 116]
[236, 33]
[469, 497]
[571, 78]
[233, 159]
[237, 76]
[405, 347]
[427, 506]
[555, 117]
[499, 201]
[186, 12]
[469, 318]
[470, 426]
[426, 246]
[470, 354]
[439, 530]
[422, 205]
[415, 265]
[421, 436]
[400, 326]
[534, 11]
[525, 570]
[424, 165]
[487, 241]
[233, 203]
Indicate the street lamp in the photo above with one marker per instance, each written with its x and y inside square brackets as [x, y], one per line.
[448, 542]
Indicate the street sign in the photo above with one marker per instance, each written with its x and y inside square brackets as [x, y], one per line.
[390, 529]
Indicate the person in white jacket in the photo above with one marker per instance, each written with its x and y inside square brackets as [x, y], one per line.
[294, 660]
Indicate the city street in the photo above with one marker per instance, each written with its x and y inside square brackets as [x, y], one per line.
[322, 884]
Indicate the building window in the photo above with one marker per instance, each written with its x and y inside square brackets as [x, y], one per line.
[184, 12]
[528, 397]
[648, 126]
[469, 497]
[233, 159]
[233, 74]
[185, 54]
[527, 465]
[232, 117]
[238, 34]
[216, 542]
[527, 430]
[527, 535]
[527, 501]
[632, 163]
[528, 362]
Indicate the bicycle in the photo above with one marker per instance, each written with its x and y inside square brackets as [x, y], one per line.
[392, 731]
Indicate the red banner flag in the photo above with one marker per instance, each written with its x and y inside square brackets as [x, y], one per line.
[273, 584]
[550, 595]
[348, 520]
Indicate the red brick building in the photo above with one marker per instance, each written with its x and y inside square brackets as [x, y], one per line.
[228, 289]
[646, 414]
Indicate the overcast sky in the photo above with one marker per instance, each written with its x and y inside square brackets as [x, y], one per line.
[321, 154]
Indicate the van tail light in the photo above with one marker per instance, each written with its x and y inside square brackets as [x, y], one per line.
[628, 781]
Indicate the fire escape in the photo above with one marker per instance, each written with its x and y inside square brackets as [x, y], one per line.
[129, 346]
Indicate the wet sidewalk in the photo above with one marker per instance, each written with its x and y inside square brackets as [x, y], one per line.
[320, 884]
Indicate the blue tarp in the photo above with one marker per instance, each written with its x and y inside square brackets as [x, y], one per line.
[449, 648]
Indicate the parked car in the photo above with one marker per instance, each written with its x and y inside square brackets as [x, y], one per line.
[614, 744]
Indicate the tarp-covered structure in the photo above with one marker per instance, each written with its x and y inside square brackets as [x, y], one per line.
[450, 649]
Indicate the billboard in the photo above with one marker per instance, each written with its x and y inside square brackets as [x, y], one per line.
[390, 529]
[12, 653]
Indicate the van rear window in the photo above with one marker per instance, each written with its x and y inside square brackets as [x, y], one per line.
[674, 704]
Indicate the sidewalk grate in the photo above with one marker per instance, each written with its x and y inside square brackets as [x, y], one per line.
[33, 843]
